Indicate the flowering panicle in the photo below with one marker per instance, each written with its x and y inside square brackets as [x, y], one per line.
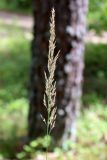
[50, 84]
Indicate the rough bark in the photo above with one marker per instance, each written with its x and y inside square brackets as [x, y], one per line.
[70, 31]
[74, 65]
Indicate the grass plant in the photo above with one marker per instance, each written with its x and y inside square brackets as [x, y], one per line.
[50, 84]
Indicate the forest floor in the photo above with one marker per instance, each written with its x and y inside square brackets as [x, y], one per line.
[20, 20]
[25, 22]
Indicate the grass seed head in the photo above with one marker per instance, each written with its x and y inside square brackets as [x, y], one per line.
[50, 84]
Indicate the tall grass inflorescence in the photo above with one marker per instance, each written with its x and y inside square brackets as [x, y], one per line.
[50, 84]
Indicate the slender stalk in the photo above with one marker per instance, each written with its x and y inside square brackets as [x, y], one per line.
[47, 134]
[50, 84]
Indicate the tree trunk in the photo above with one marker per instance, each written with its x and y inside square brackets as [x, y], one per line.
[70, 32]
[74, 65]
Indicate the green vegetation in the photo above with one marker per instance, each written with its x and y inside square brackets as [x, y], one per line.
[23, 6]
[14, 65]
[13, 124]
[14, 70]
[97, 16]
[95, 69]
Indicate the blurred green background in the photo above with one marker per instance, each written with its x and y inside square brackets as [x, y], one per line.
[14, 77]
